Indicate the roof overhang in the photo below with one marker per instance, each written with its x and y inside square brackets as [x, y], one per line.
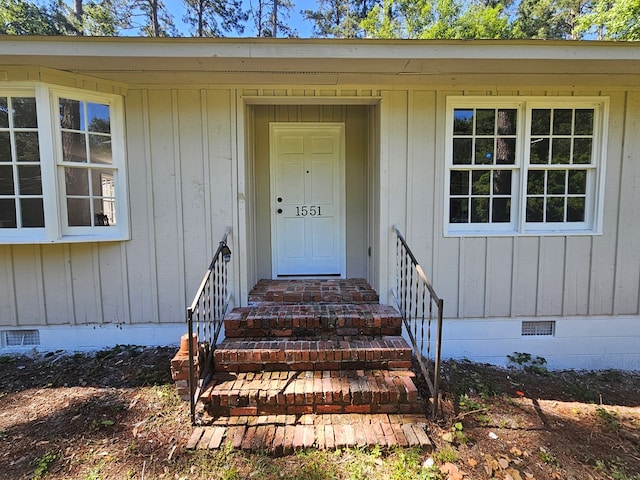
[152, 60]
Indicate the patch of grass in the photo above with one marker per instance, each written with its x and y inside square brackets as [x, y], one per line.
[467, 404]
[549, 458]
[609, 419]
[615, 469]
[447, 454]
[42, 464]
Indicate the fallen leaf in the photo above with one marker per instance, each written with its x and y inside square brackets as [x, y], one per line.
[504, 463]
[472, 462]
[556, 475]
[515, 451]
[448, 437]
[452, 471]
[515, 474]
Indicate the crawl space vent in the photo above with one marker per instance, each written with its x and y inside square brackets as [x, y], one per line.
[539, 328]
[20, 338]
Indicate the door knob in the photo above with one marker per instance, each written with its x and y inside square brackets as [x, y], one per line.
[279, 199]
[279, 210]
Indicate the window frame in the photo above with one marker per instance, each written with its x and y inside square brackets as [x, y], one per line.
[56, 229]
[594, 197]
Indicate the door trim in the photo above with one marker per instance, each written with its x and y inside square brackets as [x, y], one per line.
[341, 197]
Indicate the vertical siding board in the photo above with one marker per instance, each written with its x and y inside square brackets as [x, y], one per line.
[220, 121]
[472, 271]
[551, 270]
[421, 202]
[113, 299]
[499, 277]
[447, 283]
[141, 264]
[86, 293]
[8, 303]
[194, 212]
[57, 284]
[393, 176]
[165, 200]
[627, 278]
[260, 144]
[577, 276]
[29, 294]
[603, 257]
[525, 276]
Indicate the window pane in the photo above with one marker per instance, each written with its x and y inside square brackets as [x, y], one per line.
[479, 210]
[71, 114]
[507, 121]
[485, 121]
[5, 147]
[24, 112]
[535, 182]
[534, 209]
[562, 121]
[30, 179]
[74, 147]
[540, 122]
[7, 213]
[555, 182]
[462, 151]
[578, 182]
[100, 149]
[502, 182]
[104, 212]
[76, 181]
[27, 148]
[539, 151]
[32, 212]
[4, 112]
[462, 122]
[98, 118]
[501, 210]
[506, 151]
[584, 122]
[459, 210]
[575, 209]
[555, 209]
[484, 151]
[79, 212]
[102, 183]
[459, 183]
[6, 180]
[561, 150]
[582, 151]
[481, 180]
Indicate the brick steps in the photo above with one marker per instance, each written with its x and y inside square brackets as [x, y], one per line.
[310, 320]
[297, 393]
[331, 353]
[283, 434]
[355, 290]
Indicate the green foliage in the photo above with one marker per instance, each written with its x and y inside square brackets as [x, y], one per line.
[548, 458]
[529, 363]
[447, 454]
[23, 17]
[42, 464]
[211, 18]
[609, 419]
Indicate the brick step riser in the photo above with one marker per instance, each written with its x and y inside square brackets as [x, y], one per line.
[391, 365]
[307, 298]
[405, 408]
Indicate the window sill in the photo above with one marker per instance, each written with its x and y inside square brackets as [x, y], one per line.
[42, 240]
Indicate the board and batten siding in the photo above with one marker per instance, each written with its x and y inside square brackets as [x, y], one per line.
[180, 159]
[513, 276]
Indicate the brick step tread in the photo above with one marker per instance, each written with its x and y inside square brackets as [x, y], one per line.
[355, 290]
[337, 353]
[310, 320]
[346, 391]
[283, 434]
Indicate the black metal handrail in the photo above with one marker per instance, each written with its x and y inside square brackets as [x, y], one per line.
[416, 300]
[205, 317]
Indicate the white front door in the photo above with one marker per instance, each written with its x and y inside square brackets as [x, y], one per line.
[307, 198]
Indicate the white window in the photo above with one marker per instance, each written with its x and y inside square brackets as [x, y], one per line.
[517, 166]
[62, 166]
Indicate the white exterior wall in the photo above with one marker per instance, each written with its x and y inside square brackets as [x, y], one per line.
[183, 163]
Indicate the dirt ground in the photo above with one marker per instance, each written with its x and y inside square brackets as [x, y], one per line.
[114, 414]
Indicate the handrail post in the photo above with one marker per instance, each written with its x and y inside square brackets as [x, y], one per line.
[192, 389]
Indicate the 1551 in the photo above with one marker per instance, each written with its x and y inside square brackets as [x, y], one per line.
[308, 210]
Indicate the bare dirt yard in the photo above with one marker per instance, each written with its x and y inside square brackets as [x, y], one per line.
[115, 414]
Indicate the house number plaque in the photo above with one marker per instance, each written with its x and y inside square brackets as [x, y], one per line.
[308, 210]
